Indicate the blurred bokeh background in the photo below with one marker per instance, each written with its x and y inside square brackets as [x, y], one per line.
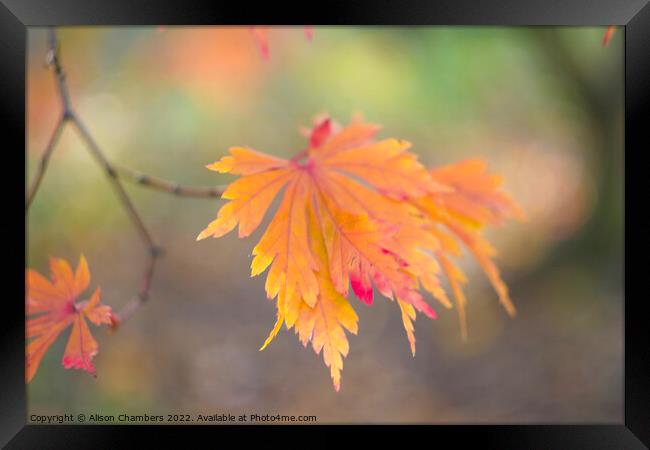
[543, 106]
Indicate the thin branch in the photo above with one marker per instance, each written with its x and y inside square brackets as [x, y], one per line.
[154, 250]
[169, 187]
[138, 300]
[115, 182]
[68, 114]
[42, 166]
[53, 60]
[114, 173]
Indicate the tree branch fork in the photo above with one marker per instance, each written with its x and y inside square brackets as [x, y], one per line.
[115, 175]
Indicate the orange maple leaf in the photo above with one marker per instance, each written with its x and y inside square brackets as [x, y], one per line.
[323, 323]
[53, 307]
[357, 212]
[459, 216]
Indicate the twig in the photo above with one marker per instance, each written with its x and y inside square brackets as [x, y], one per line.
[169, 187]
[154, 251]
[100, 157]
[42, 166]
[68, 115]
[138, 300]
[114, 174]
[53, 60]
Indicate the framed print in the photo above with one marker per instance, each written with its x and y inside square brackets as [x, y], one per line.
[375, 214]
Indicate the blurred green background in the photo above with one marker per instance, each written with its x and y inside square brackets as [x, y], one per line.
[543, 106]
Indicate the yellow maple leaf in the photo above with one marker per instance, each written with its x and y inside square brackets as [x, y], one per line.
[362, 213]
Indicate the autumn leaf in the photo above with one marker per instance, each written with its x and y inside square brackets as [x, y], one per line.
[459, 217]
[408, 316]
[363, 213]
[52, 307]
[324, 322]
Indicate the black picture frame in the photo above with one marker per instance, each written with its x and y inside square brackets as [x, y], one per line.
[17, 15]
